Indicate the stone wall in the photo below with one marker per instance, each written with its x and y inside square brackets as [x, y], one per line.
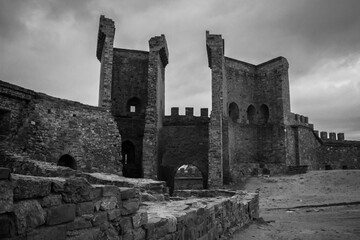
[58, 208]
[341, 154]
[184, 140]
[46, 128]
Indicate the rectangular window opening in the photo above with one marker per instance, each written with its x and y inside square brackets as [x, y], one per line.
[132, 109]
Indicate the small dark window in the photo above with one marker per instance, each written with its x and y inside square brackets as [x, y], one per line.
[133, 105]
[67, 161]
[251, 114]
[233, 111]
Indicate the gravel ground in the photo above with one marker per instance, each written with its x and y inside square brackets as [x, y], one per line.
[316, 205]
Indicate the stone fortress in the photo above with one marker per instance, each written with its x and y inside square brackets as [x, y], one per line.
[251, 128]
[91, 167]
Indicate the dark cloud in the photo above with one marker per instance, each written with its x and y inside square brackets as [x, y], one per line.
[49, 46]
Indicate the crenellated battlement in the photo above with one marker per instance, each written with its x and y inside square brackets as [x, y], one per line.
[188, 119]
[297, 119]
[331, 136]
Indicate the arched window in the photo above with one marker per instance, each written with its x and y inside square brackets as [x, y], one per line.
[133, 105]
[264, 114]
[251, 111]
[234, 112]
[188, 177]
[67, 161]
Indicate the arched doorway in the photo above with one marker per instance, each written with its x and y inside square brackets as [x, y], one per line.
[67, 161]
[188, 177]
[131, 168]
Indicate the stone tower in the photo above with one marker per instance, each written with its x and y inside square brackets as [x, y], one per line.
[132, 87]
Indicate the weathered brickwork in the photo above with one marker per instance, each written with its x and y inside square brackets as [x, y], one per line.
[46, 128]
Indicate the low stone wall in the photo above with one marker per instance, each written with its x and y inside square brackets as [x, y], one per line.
[33, 207]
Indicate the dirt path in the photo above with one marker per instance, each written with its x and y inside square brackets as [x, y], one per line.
[303, 206]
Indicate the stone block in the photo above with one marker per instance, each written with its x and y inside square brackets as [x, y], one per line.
[129, 206]
[139, 219]
[139, 234]
[96, 193]
[28, 215]
[147, 197]
[51, 201]
[156, 227]
[26, 187]
[44, 233]
[4, 173]
[106, 203]
[127, 193]
[7, 225]
[79, 223]
[57, 185]
[84, 208]
[84, 234]
[99, 218]
[108, 232]
[126, 225]
[6, 197]
[111, 191]
[60, 214]
[114, 214]
[77, 190]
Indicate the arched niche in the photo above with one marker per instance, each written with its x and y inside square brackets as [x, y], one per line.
[251, 112]
[67, 160]
[188, 176]
[234, 112]
[133, 105]
[264, 114]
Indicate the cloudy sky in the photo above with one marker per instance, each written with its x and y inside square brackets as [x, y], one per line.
[49, 46]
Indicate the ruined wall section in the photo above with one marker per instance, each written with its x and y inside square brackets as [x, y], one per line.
[158, 59]
[104, 53]
[46, 128]
[338, 153]
[184, 140]
[13, 101]
[218, 144]
[58, 208]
